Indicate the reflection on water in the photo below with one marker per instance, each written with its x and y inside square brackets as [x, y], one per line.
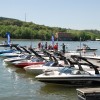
[62, 92]
[18, 72]
[25, 84]
[50, 88]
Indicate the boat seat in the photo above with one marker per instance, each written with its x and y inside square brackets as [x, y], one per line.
[76, 72]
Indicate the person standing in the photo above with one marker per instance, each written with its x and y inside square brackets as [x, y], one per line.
[63, 48]
[39, 45]
[56, 47]
[42, 45]
[46, 45]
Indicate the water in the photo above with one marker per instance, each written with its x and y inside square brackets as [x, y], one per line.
[16, 84]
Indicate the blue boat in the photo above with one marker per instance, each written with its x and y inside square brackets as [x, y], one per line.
[6, 51]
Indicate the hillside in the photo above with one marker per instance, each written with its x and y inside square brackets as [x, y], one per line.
[27, 30]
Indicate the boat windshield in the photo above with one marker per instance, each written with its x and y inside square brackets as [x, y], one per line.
[66, 70]
[73, 71]
[37, 60]
[49, 63]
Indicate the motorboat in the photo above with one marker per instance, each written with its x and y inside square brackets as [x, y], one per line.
[86, 48]
[71, 75]
[49, 65]
[11, 49]
[66, 76]
[19, 58]
[16, 52]
[6, 51]
[35, 60]
[6, 55]
[32, 61]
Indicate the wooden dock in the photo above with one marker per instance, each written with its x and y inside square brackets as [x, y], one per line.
[88, 93]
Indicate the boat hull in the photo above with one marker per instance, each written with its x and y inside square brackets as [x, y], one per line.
[87, 50]
[39, 69]
[21, 65]
[79, 80]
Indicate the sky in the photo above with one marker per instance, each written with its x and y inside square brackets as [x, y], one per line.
[73, 14]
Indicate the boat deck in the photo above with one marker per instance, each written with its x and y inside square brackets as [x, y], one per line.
[89, 90]
[88, 93]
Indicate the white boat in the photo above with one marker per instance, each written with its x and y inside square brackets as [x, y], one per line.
[28, 62]
[11, 55]
[19, 58]
[39, 69]
[86, 48]
[72, 76]
[68, 76]
[52, 64]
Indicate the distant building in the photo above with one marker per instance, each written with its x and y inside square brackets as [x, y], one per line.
[62, 36]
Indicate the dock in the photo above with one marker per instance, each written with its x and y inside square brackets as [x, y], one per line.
[88, 93]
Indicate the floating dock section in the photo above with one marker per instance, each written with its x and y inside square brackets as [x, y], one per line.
[88, 93]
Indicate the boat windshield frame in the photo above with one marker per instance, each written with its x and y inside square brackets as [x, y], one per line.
[74, 71]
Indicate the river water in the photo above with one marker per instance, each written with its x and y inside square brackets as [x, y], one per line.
[16, 84]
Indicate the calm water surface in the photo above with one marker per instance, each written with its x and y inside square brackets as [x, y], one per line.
[16, 84]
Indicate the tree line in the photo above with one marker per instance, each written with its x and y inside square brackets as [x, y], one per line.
[29, 30]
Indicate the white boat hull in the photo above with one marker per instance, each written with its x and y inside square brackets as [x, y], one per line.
[74, 79]
[39, 69]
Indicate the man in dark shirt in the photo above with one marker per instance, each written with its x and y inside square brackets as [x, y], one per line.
[63, 48]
